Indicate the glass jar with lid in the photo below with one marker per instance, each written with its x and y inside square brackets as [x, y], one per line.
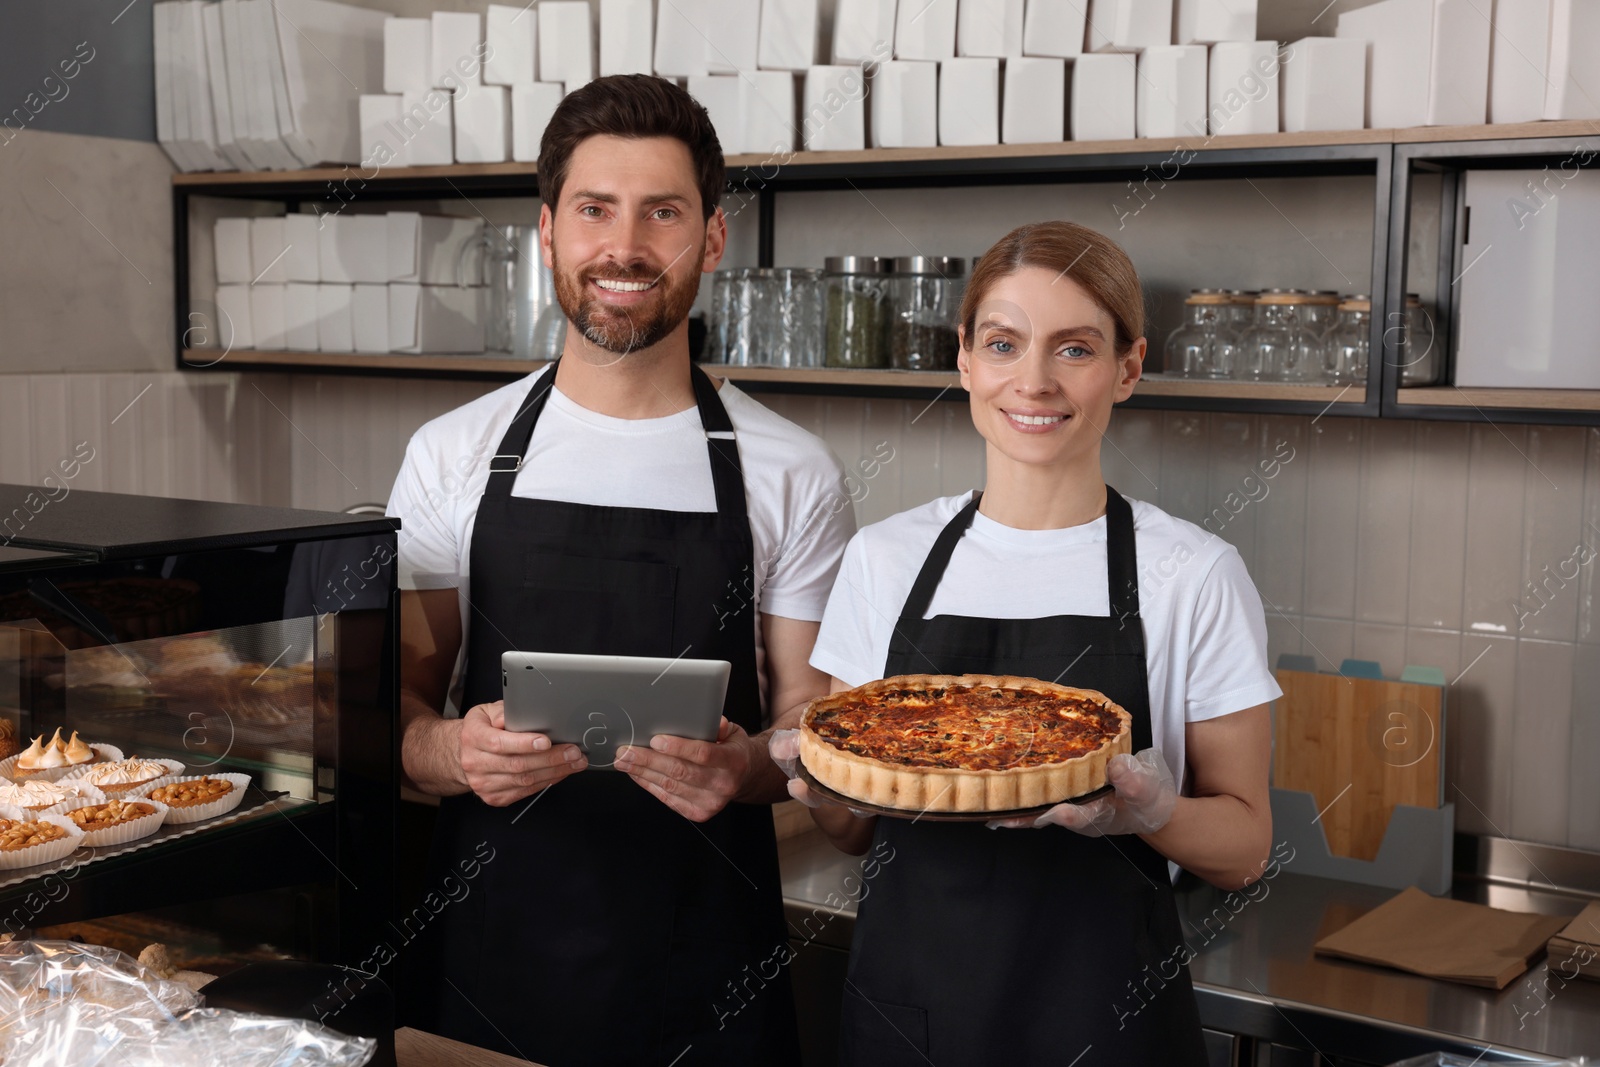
[1242, 310]
[731, 333]
[924, 300]
[789, 317]
[1418, 355]
[857, 301]
[1350, 342]
[1204, 346]
[1278, 347]
[1321, 310]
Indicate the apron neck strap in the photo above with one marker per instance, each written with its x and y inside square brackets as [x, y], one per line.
[1122, 562]
[727, 474]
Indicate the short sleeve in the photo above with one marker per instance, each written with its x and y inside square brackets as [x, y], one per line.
[852, 642]
[818, 522]
[1228, 669]
[430, 552]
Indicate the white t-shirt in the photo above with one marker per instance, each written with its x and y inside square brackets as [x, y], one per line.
[1205, 633]
[799, 510]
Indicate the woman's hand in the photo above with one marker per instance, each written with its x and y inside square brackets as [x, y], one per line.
[1142, 801]
[784, 747]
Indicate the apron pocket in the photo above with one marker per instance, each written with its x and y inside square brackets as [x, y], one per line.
[611, 607]
[879, 1032]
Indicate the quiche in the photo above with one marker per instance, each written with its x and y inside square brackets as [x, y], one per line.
[962, 743]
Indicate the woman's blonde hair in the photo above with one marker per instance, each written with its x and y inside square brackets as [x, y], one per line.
[1088, 257]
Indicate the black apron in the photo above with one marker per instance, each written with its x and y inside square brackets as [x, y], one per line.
[607, 928]
[978, 946]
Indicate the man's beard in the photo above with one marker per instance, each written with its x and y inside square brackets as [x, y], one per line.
[621, 330]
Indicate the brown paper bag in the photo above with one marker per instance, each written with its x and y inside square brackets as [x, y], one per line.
[1575, 950]
[1448, 939]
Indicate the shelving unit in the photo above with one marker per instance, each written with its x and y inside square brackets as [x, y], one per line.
[1390, 158]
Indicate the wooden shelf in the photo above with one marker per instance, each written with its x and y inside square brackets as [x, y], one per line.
[1154, 385]
[944, 153]
[1526, 399]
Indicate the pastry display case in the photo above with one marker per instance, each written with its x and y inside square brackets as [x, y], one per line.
[225, 671]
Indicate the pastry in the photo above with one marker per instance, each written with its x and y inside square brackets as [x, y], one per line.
[55, 755]
[194, 792]
[8, 739]
[962, 743]
[15, 836]
[94, 817]
[38, 794]
[122, 775]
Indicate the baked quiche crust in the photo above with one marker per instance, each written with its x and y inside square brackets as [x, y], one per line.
[897, 771]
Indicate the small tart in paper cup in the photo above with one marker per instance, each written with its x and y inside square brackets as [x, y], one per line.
[103, 775]
[181, 809]
[119, 833]
[59, 847]
[35, 796]
[102, 754]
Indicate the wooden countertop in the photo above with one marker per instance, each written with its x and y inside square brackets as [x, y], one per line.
[417, 1048]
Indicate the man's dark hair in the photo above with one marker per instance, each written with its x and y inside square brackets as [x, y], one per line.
[631, 105]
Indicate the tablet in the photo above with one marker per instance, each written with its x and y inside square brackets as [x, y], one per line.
[601, 703]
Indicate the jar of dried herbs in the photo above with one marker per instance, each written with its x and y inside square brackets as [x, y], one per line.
[924, 300]
[857, 311]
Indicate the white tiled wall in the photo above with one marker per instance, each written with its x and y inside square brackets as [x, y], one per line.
[1404, 543]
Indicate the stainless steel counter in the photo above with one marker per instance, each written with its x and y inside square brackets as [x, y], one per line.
[1255, 973]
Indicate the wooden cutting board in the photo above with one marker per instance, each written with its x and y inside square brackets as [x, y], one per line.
[1360, 746]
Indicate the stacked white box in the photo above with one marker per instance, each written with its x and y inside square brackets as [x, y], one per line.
[990, 28]
[330, 54]
[969, 101]
[511, 37]
[1399, 52]
[335, 320]
[905, 104]
[680, 39]
[1103, 97]
[1574, 88]
[457, 36]
[1172, 90]
[354, 248]
[1243, 93]
[1129, 25]
[531, 108]
[266, 316]
[435, 318]
[267, 246]
[767, 111]
[566, 43]
[833, 114]
[369, 318]
[732, 35]
[300, 316]
[1034, 104]
[625, 37]
[483, 125]
[424, 249]
[427, 124]
[925, 29]
[788, 35]
[1519, 60]
[1324, 84]
[407, 45]
[301, 261]
[1458, 89]
[232, 331]
[380, 118]
[1053, 28]
[863, 30]
[1213, 21]
[719, 95]
[230, 238]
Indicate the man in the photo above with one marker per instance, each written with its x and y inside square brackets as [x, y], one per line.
[621, 502]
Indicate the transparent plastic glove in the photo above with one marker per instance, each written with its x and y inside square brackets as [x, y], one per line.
[784, 747]
[1142, 802]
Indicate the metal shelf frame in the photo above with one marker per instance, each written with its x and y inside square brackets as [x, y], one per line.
[1391, 159]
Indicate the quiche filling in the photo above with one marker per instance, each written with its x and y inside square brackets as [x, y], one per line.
[970, 727]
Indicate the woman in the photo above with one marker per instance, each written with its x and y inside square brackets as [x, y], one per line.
[1032, 943]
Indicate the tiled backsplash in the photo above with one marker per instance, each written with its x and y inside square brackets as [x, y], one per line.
[1465, 547]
